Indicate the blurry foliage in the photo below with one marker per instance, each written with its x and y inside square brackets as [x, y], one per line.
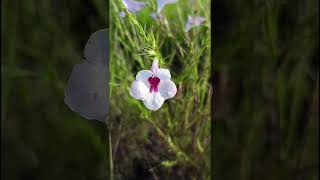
[41, 138]
[266, 90]
[174, 141]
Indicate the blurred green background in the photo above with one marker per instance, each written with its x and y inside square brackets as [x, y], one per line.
[266, 90]
[41, 138]
[265, 98]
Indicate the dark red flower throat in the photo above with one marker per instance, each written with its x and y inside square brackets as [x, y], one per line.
[153, 81]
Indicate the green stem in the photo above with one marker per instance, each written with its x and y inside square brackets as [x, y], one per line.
[109, 155]
[150, 45]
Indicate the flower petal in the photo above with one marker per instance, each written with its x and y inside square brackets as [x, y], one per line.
[187, 27]
[155, 66]
[143, 76]
[133, 6]
[122, 14]
[167, 89]
[153, 101]
[156, 16]
[162, 3]
[96, 49]
[139, 90]
[163, 74]
[153, 15]
[193, 21]
[87, 90]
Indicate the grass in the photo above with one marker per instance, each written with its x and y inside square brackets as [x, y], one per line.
[266, 77]
[41, 138]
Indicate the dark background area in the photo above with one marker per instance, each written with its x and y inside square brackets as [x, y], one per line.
[266, 90]
[41, 138]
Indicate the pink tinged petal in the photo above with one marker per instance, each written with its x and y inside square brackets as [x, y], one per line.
[167, 89]
[155, 66]
[153, 101]
[96, 49]
[143, 76]
[87, 90]
[193, 21]
[162, 3]
[139, 90]
[133, 6]
[163, 74]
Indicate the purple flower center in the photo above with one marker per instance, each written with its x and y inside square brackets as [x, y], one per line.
[153, 81]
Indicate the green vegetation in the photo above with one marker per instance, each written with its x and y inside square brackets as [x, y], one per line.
[41, 138]
[266, 97]
[173, 142]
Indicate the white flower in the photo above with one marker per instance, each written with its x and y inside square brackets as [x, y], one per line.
[162, 3]
[132, 6]
[153, 87]
[193, 21]
[87, 90]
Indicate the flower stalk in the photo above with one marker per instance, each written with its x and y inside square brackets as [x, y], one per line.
[150, 46]
[109, 153]
[151, 50]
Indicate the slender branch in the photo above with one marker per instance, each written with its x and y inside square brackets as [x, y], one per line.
[170, 143]
[109, 152]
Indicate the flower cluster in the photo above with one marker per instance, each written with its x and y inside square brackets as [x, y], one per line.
[132, 6]
[193, 21]
[136, 6]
